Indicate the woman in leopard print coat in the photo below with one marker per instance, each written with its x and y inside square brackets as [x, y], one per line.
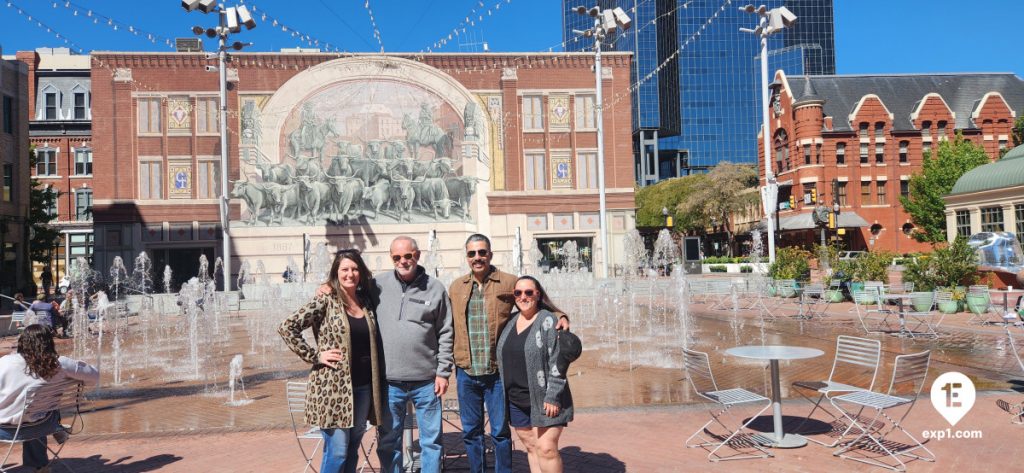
[346, 382]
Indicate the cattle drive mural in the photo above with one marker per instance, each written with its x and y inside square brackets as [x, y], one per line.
[361, 151]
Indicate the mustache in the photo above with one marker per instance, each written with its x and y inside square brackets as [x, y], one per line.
[479, 260]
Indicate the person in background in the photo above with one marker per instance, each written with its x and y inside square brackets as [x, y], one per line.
[43, 310]
[539, 400]
[34, 364]
[482, 303]
[346, 383]
[20, 303]
[47, 279]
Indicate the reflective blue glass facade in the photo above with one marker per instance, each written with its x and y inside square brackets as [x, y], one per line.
[703, 107]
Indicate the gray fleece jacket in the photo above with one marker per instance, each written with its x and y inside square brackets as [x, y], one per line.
[415, 322]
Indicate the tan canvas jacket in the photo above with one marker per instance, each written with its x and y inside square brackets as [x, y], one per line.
[498, 301]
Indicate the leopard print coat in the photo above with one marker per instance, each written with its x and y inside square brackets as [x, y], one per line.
[329, 401]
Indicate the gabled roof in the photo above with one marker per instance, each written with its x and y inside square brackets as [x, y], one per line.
[900, 94]
[1007, 172]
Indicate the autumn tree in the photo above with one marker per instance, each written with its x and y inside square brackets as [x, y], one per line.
[726, 192]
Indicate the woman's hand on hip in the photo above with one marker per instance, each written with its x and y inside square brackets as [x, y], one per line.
[329, 358]
[550, 410]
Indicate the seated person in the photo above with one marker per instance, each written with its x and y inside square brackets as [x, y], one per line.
[36, 363]
[43, 311]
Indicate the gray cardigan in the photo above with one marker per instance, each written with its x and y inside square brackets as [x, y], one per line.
[548, 385]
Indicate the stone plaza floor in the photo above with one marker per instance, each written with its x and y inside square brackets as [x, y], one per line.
[629, 418]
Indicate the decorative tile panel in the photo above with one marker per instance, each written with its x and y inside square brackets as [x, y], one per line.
[537, 222]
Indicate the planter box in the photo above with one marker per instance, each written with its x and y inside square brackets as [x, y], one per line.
[730, 268]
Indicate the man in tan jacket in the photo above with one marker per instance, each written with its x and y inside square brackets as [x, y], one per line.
[482, 303]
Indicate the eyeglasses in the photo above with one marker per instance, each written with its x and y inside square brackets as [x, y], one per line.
[408, 256]
[527, 293]
[481, 253]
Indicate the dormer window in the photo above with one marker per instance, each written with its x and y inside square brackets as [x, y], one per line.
[80, 106]
[50, 104]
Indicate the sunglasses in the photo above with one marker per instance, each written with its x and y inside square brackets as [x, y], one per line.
[481, 253]
[408, 256]
[527, 293]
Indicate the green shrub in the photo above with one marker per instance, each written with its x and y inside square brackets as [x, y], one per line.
[791, 263]
[718, 268]
[746, 269]
[872, 266]
[948, 266]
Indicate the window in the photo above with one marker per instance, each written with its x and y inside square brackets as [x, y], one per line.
[880, 193]
[50, 104]
[83, 162]
[992, 219]
[817, 154]
[942, 129]
[207, 115]
[926, 147]
[51, 209]
[841, 191]
[809, 192]
[879, 130]
[879, 153]
[534, 172]
[8, 182]
[586, 112]
[1018, 210]
[905, 188]
[46, 162]
[533, 112]
[80, 107]
[149, 116]
[1002, 145]
[8, 114]
[840, 153]
[150, 180]
[586, 171]
[865, 193]
[963, 223]
[903, 151]
[926, 129]
[863, 153]
[83, 204]
[807, 154]
[864, 130]
[208, 180]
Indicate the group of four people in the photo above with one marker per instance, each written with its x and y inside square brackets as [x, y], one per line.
[384, 341]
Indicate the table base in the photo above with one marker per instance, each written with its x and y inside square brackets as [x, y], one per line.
[788, 440]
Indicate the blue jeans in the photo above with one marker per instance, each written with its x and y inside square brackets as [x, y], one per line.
[341, 446]
[33, 449]
[474, 393]
[428, 416]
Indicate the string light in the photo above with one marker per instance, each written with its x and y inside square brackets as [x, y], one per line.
[28, 17]
[310, 40]
[373, 24]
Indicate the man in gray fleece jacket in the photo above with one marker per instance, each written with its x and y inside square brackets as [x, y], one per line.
[415, 319]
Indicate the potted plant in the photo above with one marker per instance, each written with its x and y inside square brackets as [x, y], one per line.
[790, 263]
[977, 303]
[952, 306]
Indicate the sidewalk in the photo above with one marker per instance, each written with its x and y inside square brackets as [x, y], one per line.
[599, 441]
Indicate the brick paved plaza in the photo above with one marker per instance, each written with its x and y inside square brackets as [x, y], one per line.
[627, 419]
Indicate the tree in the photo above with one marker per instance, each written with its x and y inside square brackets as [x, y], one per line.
[1018, 131]
[41, 200]
[667, 194]
[937, 176]
[723, 196]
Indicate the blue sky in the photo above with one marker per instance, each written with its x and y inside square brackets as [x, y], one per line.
[872, 36]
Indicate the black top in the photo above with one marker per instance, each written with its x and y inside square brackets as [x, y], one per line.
[360, 362]
[513, 366]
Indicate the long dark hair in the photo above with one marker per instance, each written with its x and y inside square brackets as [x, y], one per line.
[35, 345]
[544, 301]
[363, 290]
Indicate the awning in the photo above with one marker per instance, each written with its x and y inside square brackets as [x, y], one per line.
[805, 221]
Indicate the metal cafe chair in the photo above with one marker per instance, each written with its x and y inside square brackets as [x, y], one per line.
[810, 301]
[855, 357]
[65, 397]
[295, 393]
[924, 318]
[908, 379]
[863, 302]
[698, 372]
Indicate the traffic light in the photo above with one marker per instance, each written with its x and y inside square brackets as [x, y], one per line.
[792, 201]
[814, 195]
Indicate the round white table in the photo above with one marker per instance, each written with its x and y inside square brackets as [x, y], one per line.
[774, 353]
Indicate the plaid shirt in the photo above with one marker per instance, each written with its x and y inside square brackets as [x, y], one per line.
[476, 321]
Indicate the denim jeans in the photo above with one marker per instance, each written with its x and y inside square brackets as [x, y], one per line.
[428, 417]
[33, 449]
[341, 446]
[474, 393]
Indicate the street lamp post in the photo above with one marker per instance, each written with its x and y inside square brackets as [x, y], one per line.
[771, 21]
[605, 22]
[231, 20]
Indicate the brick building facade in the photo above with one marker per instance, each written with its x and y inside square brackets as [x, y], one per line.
[15, 272]
[519, 129]
[858, 139]
[60, 129]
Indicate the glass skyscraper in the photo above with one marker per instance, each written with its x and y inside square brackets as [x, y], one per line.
[702, 107]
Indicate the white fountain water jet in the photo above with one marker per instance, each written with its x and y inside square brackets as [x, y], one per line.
[665, 251]
[235, 378]
[168, 274]
[636, 254]
[517, 253]
[535, 256]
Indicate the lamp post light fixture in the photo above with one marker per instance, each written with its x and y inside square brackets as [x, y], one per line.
[771, 22]
[231, 20]
[605, 22]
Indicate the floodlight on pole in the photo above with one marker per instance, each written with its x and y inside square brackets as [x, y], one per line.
[230, 20]
[605, 23]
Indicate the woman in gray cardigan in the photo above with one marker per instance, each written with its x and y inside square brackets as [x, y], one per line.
[539, 401]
